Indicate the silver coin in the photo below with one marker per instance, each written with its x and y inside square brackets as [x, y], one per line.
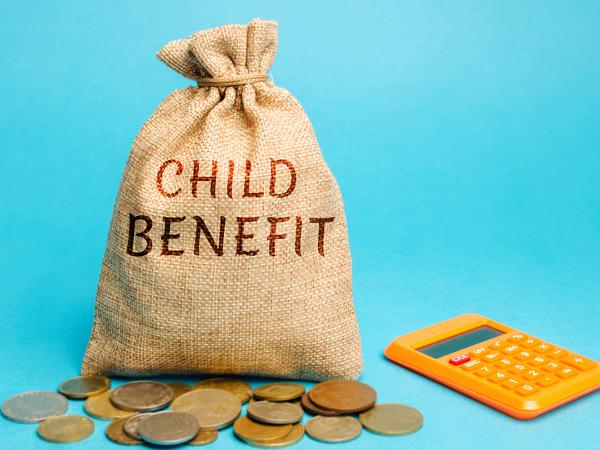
[130, 427]
[34, 406]
[168, 428]
[142, 396]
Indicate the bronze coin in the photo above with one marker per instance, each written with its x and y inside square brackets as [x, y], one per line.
[248, 430]
[279, 392]
[66, 428]
[116, 433]
[239, 388]
[275, 413]
[142, 396]
[333, 429]
[315, 410]
[392, 419]
[213, 408]
[204, 437]
[345, 396]
[291, 438]
[84, 386]
[100, 407]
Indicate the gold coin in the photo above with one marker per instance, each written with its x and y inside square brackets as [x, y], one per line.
[213, 408]
[274, 413]
[248, 430]
[84, 386]
[204, 437]
[392, 419]
[142, 396]
[333, 429]
[115, 432]
[279, 392]
[100, 407]
[291, 438]
[34, 406]
[178, 388]
[344, 396]
[65, 428]
[315, 410]
[239, 388]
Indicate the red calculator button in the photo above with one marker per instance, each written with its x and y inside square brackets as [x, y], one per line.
[579, 362]
[459, 359]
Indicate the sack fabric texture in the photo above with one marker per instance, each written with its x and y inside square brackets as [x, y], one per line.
[228, 249]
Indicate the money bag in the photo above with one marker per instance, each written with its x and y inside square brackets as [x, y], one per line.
[228, 247]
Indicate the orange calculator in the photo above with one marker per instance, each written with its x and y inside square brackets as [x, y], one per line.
[509, 370]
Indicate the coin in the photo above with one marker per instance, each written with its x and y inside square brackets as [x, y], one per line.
[250, 431]
[84, 386]
[115, 431]
[142, 396]
[168, 428]
[131, 424]
[204, 437]
[279, 392]
[392, 419]
[291, 438]
[100, 407]
[178, 388]
[333, 429]
[33, 406]
[345, 396]
[315, 410]
[65, 428]
[239, 388]
[213, 408]
[275, 413]
[293, 402]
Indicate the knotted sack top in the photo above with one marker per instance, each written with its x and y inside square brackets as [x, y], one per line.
[230, 55]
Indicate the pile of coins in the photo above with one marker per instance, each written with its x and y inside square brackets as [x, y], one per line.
[274, 414]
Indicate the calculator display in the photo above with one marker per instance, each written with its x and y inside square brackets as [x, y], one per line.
[450, 345]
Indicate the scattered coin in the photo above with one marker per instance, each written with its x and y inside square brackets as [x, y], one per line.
[100, 407]
[333, 429]
[293, 402]
[115, 431]
[204, 437]
[279, 392]
[213, 408]
[250, 431]
[291, 438]
[178, 388]
[315, 410]
[142, 396]
[84, 386]
[345, 396]
[275, 413]
[65, 428]
[239, 388]
[34, 406]
[130, 425]
[392, 419]
[168, 428]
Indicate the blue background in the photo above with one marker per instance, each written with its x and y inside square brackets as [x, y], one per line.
[465, 137]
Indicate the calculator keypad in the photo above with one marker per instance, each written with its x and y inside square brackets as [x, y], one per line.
[524, 364]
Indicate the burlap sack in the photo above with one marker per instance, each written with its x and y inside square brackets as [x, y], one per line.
[227, 251]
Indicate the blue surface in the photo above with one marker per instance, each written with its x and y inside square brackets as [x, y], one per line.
[465, 138]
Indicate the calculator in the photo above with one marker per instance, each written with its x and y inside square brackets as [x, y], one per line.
[516, 373]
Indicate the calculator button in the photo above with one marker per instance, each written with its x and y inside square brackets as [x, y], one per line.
[511, 383]
[492, 357]
[523, 355]
[483, 371]
[478, 352]
[497, 377]
[567, 372]
[517, 368]
[517, 337]
[472, 365]
[503, 363]
[460, 359]
[511, 349]
[526, 390]
[497, 345]
[537, 361]
[544, 348]
[532, 374]
[558, 353]
[551, 366]
[547, 380]
[579, 362]
[529, 342]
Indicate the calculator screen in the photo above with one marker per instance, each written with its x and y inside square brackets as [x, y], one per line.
[450, 345]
